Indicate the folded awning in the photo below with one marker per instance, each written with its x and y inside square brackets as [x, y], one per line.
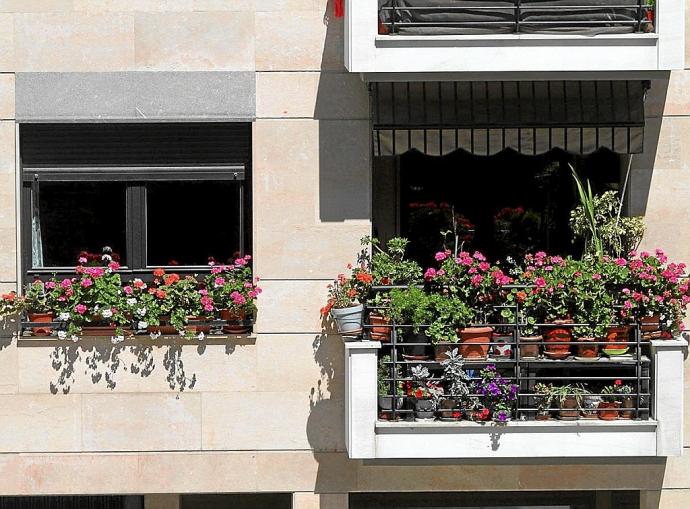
[485, 117]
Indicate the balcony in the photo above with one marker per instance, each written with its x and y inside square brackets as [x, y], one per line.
[462, 36]
[652, 428]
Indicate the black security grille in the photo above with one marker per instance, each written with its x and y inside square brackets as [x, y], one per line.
[586, 17]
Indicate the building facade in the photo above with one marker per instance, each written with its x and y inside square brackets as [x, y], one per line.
[276, 99]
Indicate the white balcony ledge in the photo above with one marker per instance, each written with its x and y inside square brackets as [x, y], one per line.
[368, 438]
[367, 52]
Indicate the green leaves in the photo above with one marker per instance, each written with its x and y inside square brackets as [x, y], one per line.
[593, 242]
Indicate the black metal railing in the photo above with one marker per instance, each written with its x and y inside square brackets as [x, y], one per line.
[633, 369]
[416, 17]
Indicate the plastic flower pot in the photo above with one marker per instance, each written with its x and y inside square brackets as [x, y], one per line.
[348, 320]
[587, 348]
[614, 337]
[423, 409]
[41, 318]
[474, 342]
[558, 339]
[504, 347]
[569, 409]
[529, 347]
[608, 411]
[386, 407]
[232, 317]
[380, 327]
[417, 352]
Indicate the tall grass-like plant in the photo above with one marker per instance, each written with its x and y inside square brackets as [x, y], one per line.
[593, 243]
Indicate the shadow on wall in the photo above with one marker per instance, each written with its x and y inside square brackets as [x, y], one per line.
[642, 165]
[342, 106]
[105, 363]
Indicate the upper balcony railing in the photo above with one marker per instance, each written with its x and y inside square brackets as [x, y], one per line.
[467, 17]
[399, 38]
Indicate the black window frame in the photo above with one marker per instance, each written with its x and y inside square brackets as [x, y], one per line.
[136, 179]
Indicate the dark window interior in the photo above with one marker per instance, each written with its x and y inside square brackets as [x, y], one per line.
[190, 222]
[79, 216]
[76, 502]
[497, 500]
[475, 189]
[237, 501]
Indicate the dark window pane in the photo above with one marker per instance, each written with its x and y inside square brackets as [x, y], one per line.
[190, 222]
[239, 501]
[71, 217]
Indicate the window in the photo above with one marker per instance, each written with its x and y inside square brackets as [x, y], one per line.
[73, 502]
[157, 194]
[237, 501]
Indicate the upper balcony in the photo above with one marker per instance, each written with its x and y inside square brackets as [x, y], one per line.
[466, 36]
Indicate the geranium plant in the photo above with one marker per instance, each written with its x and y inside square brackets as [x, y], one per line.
[180, 298]
[616, 392]
[233, 289]
[10, 304]
[592, 300]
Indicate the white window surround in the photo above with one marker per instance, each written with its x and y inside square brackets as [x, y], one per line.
[368, 52]
[368, 438]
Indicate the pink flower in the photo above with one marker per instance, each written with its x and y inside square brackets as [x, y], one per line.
[238, 298]
[548, 268]
[219, 281]
[484, 266]
[644, 254]
[540, 282]
[626, 291]
[203, 291]
[540, 254]
[80, 308]
[621, 262]
[440, 256]
[430, 274]
[113, 265]
[596, 277]
[248, 285]
[50, 285]
[627, 304]
[253, 294]
[128, 290]
[556, 260]
[82, 259]
[66, 283]
[240, 262]
[478, 256]
[476, 280]
[86, 283]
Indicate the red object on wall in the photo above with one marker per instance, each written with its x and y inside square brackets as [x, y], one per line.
[339, 8]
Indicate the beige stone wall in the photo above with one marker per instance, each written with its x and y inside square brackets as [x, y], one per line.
[263, 414]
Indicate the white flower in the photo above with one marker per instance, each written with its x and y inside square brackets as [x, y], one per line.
[141, 311]
[155, 335]
[62, 334]
[63, 317]
[75, 338]
[131, 301]
[107, 258]
[117, 339]
[107, 313]
[142, 324]
[201, 336]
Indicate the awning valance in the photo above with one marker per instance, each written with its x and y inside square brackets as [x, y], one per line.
[486, 117]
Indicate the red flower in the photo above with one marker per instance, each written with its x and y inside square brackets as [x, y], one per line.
[419, 393]
[364, 277]
[618, 382]
[160, 294]
[171, 279]
[9, 297]
[159, 272]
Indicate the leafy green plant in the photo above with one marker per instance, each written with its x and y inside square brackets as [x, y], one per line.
[593, 300]
[544, 396]
[448, 314]
[617, 391]
[384, 371]
[593, 243]
[563, 392]
[389, 266]
[456, 379]
[410, 306]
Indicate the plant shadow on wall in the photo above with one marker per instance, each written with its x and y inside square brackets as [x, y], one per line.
[342, 112]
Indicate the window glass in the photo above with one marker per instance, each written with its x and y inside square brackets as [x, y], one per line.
[237, 501]
[68, 218]
[189, 223]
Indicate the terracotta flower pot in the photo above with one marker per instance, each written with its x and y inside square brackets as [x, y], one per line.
[448, 410]
[529, 347]
[163, 328]
[627, 408]
[586, 349]
[41, 318]
[474, 342]
[98, 330]
[441, 349]
[419, 351]
[650, 327]
[559, 337]
[569, 409]
[380, 327]
[608, 411]
[542, 416]
[386, 407]
[197, 328]
[234, 316]
[614, 337]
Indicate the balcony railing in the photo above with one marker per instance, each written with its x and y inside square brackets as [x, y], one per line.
[458, 17]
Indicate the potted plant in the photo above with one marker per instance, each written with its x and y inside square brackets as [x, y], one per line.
[593, 307]
[612, 396]
[345, 301]
[410, 308]
[470, 279]
[40, 299]
[457, 388]
[450, 314]
[525, 300]
[570, 399]
[590, 405]
[10, 304]
[386, 398]
[185, 304]
[234, 291]
[543, 396]
[497, 393]
[424, 393]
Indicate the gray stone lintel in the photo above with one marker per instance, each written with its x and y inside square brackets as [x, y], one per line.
[135, 96]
